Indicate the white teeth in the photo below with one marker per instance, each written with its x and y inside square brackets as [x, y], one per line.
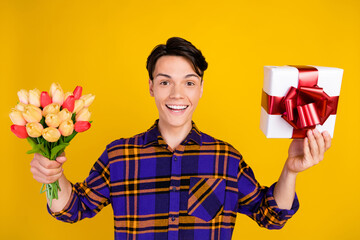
[177, 107]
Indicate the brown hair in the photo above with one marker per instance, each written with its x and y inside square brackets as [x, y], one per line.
[177, 46]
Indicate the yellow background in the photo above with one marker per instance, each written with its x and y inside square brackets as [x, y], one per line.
[103, 46]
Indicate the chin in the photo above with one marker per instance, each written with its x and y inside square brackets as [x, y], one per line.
[176, 121]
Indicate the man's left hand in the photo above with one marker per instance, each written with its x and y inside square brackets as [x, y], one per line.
[307, 152]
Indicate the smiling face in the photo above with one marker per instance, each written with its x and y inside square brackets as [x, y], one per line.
[177, 89]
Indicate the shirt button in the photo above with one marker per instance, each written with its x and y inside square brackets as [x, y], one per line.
[175, 158]
[174, 189]
[172, 218]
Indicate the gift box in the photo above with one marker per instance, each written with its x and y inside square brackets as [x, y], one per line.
[298, 98]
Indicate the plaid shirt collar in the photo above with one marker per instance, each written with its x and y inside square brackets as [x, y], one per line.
[153, 135]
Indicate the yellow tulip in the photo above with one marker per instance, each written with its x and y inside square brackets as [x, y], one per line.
[21, 106]
[34, 97]
[51, 108]
[32, 113]
[83, 115]
[66, 128]
[79, 104]
[58, 96]
[51, 134]
[52, 120]
[17, 117]
[34, 129]
[53, 87]
[89, 98]
[64, 115]
[23, 96]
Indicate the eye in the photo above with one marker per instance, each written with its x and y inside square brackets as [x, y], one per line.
[165, 83]
[190, 83]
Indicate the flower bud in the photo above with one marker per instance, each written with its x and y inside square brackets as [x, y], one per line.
[23, 96]
[82, 126]
[52, 120]
[32, 113]
[58, 96]
[53, 87]
[64, 115]
[67, 94]
[34, 129]
[45, 99]
[77, 92]
[51, 108]
[89, 98]
[19, 131]
[79, 104]
[69, 103]
[83, 115]
[51, 134]
[66, 128]
[34, 97]
[21, 106]
[17, 117]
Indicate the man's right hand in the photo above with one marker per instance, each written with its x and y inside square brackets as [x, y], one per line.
[48, 171]
[45, 170]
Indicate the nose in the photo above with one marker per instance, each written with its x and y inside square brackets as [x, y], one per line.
[177, 92]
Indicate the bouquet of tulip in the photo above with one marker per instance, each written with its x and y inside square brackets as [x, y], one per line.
[49, 121]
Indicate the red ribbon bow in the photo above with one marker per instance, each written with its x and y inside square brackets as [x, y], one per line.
[305, 106]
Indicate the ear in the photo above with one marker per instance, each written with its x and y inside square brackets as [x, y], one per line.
[151, 87]
[202, 88]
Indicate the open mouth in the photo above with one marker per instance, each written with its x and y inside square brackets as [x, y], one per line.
[177, 108]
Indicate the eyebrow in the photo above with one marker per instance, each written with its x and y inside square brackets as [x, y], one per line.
[162, 74]
[192, 75]
[187, 76]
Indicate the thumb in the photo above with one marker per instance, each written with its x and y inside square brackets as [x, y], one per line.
[61, 158]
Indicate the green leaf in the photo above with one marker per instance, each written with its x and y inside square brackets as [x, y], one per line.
[69, 138]
[32, 141]
[45, 151]
[35, 149]
[73, 117]
[55, 151]
[42, 121]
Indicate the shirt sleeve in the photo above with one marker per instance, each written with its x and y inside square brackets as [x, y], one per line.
[88, 197]
[258, 202]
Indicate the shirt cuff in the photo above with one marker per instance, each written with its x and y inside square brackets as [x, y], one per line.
[280, 214]
[65, 214]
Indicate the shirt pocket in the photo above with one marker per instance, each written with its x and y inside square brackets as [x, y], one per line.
[206, 197]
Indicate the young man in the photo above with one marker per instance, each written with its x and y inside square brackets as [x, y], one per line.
[173, 181]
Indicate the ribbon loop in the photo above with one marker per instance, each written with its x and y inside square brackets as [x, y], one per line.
[303, 107]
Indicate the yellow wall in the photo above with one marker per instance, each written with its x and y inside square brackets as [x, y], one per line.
[103, 46]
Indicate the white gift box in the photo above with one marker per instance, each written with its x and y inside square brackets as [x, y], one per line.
[277, 82]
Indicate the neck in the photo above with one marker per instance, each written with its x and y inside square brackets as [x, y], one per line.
[173, 136]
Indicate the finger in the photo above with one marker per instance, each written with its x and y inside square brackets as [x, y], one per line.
[42, 171]
[307, 152]
[327, 139]
[45, 162]
[45, 179]
[320, 142]
[313, 145]
[61, 158]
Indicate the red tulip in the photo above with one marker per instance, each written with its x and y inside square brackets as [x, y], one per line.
[69, 103]
[45, 99]
[19, 131]
[77, 92]
[82, 126]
